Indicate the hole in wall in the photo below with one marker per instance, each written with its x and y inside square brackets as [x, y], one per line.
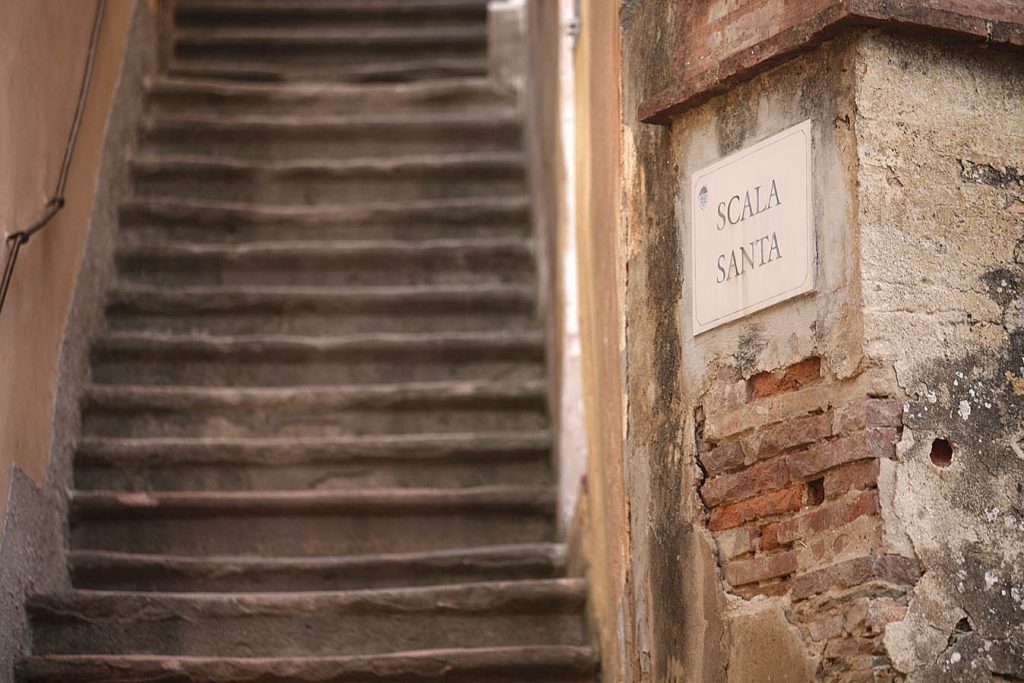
[942, 453]
[816, 491]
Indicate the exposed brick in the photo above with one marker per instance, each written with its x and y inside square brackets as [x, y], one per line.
[760, 568]
[776, 502]
[769, 537]
[752, 481]
[853, 476]
[846, 647]
[830, 515]
[735, 542]
[781, 436]
[724, 458]
[894, 569]
[795, 376]
[870, 413]
[770, 589]
[877, 443]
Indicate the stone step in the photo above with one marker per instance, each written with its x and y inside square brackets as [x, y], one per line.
[488, 140]
[407, 408]
[310, 523]
[526, 664]
[393, 70]
[417, 461]
[478, 261]
[321, 310]
[328, 13]
[316, 47]
[190, 97]
[426, 219]
[512, 613]
[278, 360]
[99, 570]
[321, 181]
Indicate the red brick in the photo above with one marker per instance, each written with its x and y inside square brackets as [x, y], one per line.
[830, 515]
[894, 569]
[769, 537]
[877, 443]
[752, 481]
[869, 413]
[853, 476]
[781, 436]
[726, 457]
[765, 505]
[771, 589]
[760, 568]
[794, 377]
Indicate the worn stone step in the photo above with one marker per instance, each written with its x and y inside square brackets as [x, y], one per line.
[525, 664]
[191, 97]
[321, 310]
[512, 613]
[310, 523]
[310, 136]
[478, 261]
[317, 181]
[156, 358]
[392, 70]
[99, 570]
[417, 461]
[328, 13]
[181, 219]
[278, 360]
[406, 408]
[334, 53]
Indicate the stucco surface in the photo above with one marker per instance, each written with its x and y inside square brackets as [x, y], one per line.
[942, 214]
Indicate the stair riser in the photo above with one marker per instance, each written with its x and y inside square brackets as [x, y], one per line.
[343, 143]
[311, 422]
[115, 368]
[327, 54]
[330, 71]
[310, 634]
[306, 534]
[474, 97]
[143, 229]
[316, 188]
[489, 470]
[328, 271]
[338, 16]
[300, 323]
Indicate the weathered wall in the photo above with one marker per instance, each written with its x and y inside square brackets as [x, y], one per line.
[941, 143]
[43, 49]
[55, 303]
[601, 519]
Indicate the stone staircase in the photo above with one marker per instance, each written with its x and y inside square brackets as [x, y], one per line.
[315, 446]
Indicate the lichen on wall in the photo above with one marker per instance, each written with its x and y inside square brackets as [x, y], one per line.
[941, 139]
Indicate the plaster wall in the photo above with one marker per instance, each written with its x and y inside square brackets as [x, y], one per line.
[43, 49]
[56, 300]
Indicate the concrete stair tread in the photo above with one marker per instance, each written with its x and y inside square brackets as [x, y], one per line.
[528, 595]
[547, 554]
[184, 8]
[433, 665]
[477, 162]
[291, 298]
[207, 211]
[383, 71]
[307, 92]
[137, 505]
[286, 451]
[328, 249]
[473, 34]
[269, 124]
[127, 396]
[408, 346]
